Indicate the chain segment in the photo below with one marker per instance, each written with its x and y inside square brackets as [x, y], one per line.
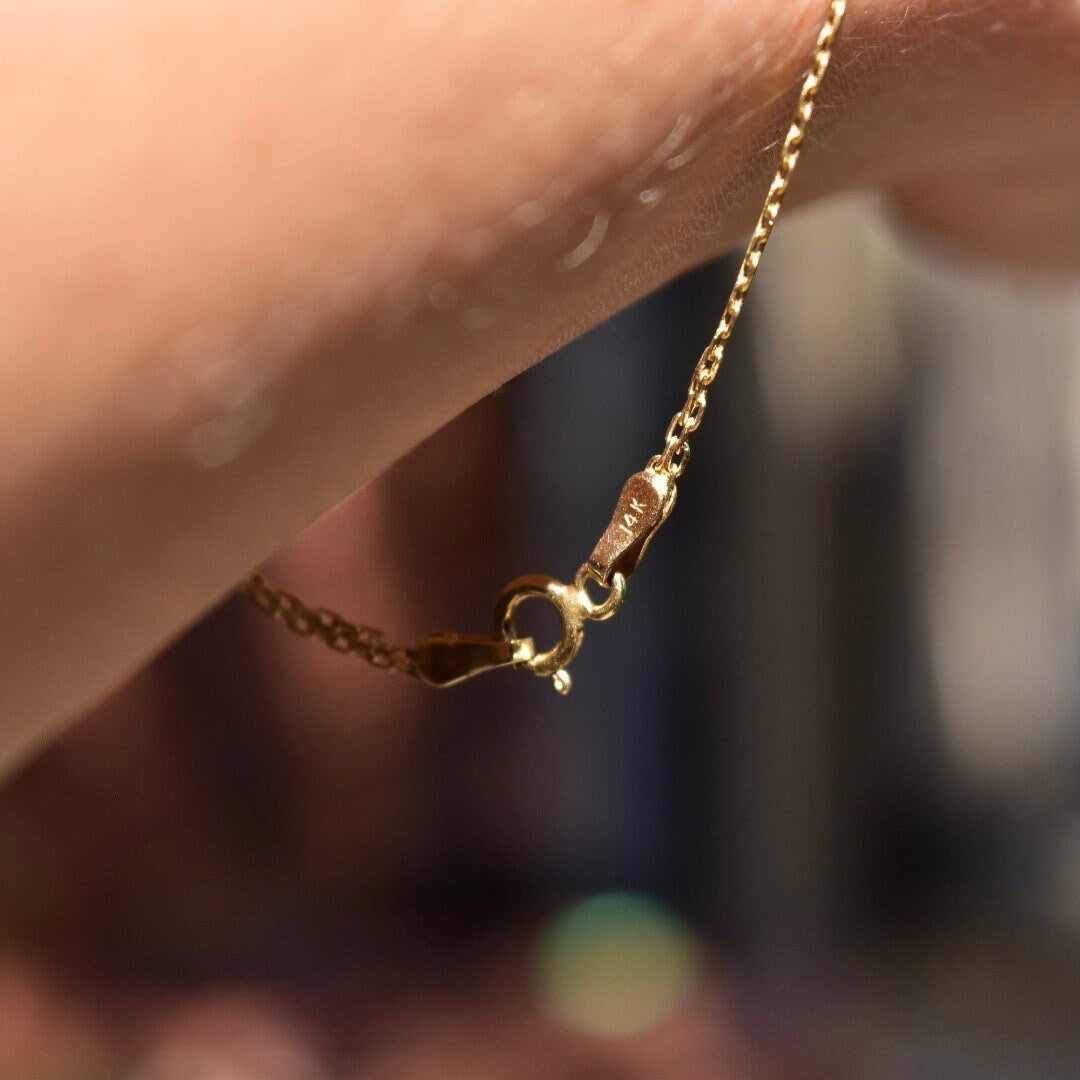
[646, 500]
[341, 635]
[673, 458]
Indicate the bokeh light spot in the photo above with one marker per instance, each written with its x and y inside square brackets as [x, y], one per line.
[616, 964]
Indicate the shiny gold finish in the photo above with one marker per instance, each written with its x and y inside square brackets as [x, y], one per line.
[447, 659]
[574, 605]
[673, 458]
[643, 506]
[645, 502]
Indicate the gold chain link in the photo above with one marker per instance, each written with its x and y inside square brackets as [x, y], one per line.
[480, 654]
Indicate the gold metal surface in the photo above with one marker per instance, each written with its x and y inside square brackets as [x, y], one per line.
[574, 605]
[447, 659]
[645, 502]
[643, 506]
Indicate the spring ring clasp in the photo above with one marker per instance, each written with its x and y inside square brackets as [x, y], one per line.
[574, 606]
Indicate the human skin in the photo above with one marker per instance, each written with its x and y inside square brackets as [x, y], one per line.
[255, 253]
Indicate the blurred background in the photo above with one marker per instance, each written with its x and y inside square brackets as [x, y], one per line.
[813, 806]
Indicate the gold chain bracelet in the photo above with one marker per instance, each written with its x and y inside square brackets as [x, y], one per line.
[643, 506]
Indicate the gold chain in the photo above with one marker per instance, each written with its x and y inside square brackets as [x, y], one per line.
[687, 420]
[341, 635]
[646, 500]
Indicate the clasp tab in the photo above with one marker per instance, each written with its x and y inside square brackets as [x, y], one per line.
[448, 659]
[646, 500]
